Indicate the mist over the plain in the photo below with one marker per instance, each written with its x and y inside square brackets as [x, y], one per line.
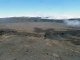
[72, 23]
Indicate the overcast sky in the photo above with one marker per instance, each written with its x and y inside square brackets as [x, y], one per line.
[52, 8]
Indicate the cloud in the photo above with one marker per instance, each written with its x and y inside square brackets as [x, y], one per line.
[39, 14]
[57, 16]
[72, 23]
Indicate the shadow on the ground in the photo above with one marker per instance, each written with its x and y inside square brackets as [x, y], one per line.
[48, 33]
[39, 30]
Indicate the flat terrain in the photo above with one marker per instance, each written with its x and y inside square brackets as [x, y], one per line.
[29, 26]
[39, 41]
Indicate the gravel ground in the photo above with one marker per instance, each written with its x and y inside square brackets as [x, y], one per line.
[20, 47]
[33, 48]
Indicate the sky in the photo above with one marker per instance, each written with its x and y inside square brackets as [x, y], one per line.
[43, 8]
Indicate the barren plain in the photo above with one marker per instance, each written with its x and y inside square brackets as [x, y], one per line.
[39, 41]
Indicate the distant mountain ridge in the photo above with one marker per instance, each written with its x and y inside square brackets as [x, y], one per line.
[31, 19]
